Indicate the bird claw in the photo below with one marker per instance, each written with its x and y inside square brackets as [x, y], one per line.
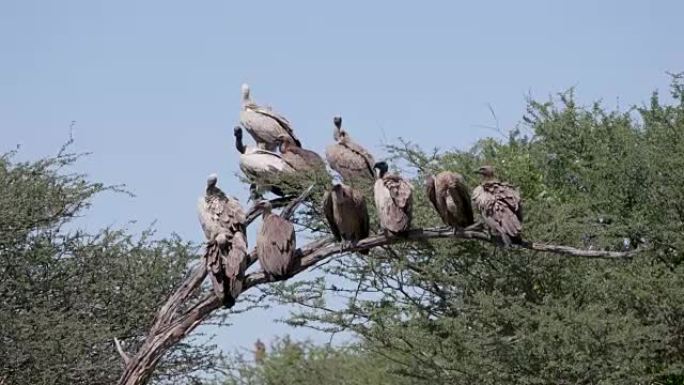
[344, 245]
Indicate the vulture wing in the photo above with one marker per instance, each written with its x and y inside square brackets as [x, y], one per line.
[500, 206]
[303, 160]
[347, 163]
[363, 209]
[330, 215]
[222, 219]
[400, 190]
[458, 191]
[432, 195]
[275, 246]
[284, 123]
[363, 153]
[394, 203]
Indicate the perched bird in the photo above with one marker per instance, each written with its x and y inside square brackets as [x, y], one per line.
[346, 212]
[348, 158]
[261, 167]
[300, 159]
[393, 200]
[450, 197]
[500, 206]
[276, 244]
[264, 124]
[223, 222]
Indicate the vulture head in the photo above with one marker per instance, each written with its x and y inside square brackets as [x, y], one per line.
[237, 131]
[211, 181]
[339, 190]
[430, 180]
[339, 133]
[486, 172]
[381, 168]
[284, 141]
[265, 207]
[245, 92]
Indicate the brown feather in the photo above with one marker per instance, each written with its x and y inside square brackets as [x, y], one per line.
[500, 205]
[222, 220]
[349, 159]
[276, 243]
[301, 159]
[347, 214]
[284, 123]
[394, 203]
[451, 199]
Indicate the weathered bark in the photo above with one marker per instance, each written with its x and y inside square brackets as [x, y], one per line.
[171, 324]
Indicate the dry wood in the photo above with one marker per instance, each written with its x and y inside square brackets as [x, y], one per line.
[172, 323]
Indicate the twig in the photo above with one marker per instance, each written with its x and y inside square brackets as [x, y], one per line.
[122, 353]
[289, 211]
[254, 211]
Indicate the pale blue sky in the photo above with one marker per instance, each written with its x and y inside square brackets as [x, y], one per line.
[154, 85]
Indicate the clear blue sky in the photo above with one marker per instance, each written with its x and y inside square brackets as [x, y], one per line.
[154, 85]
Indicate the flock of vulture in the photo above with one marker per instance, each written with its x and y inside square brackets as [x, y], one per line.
[279, 152]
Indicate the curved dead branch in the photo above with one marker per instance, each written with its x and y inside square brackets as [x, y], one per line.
[173, 323]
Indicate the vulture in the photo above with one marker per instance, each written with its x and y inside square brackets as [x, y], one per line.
[264, 124]
[276, 244]
[393, 200]
[346, 212]
[260, 166]
[348, 158]
[223, 222]
[299, 158]
[500, 206]
[451, 199]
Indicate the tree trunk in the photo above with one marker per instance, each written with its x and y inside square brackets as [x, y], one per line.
[169, 330]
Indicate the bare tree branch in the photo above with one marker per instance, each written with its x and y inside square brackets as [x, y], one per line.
[312, 255]
[289, 211]
[122, 353]
[171, 325]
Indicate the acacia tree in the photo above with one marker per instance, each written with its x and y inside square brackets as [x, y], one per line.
[446, 312]
[447, 307]
[66, 293]
[303, 363]
[442, 307]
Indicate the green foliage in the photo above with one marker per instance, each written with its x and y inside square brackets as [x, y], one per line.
[65, 294]
[292, 363]
[460, 312]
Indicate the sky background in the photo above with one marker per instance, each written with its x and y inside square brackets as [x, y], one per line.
[154, 86]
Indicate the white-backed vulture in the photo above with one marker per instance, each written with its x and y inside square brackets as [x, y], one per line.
[261, 167]
[393, 200]
[500, 206]
[299, 158]
[276, 244]
[349, 159]
[347, 214]
[223, 222]
[264, 124]
[450, 197]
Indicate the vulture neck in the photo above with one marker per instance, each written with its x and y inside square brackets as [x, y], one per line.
[489, 179]
[238, 144]
[246, 99]
[286, 146]
[212, 190]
